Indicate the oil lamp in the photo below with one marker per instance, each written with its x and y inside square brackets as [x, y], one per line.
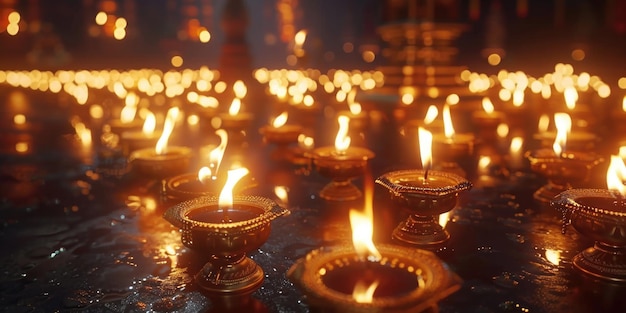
[206, 181]
[359, 119]
[452, 146]
[127, 120]
[425, 194]
[235, 121]
[132, 140]
[599, 214]
[487, 119]
[282, 135]
[163, 160]
[226, 228]
[562, 169]
[341, 163]
[372, 278]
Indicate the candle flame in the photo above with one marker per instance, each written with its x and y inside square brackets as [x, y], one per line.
[342, 141]
[563, 124]
[431, 114]
[425, 143]
[484, 162]
[240, 89]
[280, 120]
[225, 201]
[168, 127]
[235, 106]
[571, 96]
[300, 38]
[488, 105]
[516, 145]
[281, 193]
[216, 155]
[502, 130]
[448, 128]
[518, 97]
[355, 108]
[544, 123]
[127, 114]
[149, 124]
[553, 256]
[204, 174]
[622, 152]
[363, 292]
[616, 175]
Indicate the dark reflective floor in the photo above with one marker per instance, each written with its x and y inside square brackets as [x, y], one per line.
[80, 231]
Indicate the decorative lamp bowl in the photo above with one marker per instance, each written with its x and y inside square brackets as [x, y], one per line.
[425, 200]
[147, 162]
[410, 280]
[226, 236]
[561, 172]
[341, 167]
[284, 135]
[599, 214]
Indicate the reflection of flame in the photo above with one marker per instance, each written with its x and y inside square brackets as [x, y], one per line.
[226, 196]
[280, 120]
[487, 105]
[448, 128]
[616, 175]
[443, 219]
[342, 141]
[240, 89]
[149, 124]
[364, 293]
[563, 124]
[168, 127]
[544, 122]
[235, 106]
[516, 145]
[431, 114]
[425, 143]
[571, 96]
[553, 256]
[305, 141]
[281, 193]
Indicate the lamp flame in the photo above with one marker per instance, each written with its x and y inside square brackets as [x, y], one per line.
[168, 127]
[149, 124]
[502, 130]
[127, 114]
[300, 38]
[448, 128]
[624, 103]
[204, 174]
[425, 143]
[571, 96]
[563, 124]
[216, 155]
[544, 123]
[363, 228]
[342, 141]
[235, 106]
[282, 194]
[364, 293]
[616, 175]
[516, 145]
[431, 114]
[280, 120]
[355, 107]
[240, 89]
[306, 142]
[488, 105]
[225, 201]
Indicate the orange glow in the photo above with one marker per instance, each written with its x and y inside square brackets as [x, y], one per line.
[553, 256]
[443, 219]
[216, 155]
[305, 141]
[19, 119]
[624, 104]
[571, 96]
[204, 174]
[281, 193]
[168, 127]
[452, 99]
[280, 120]
[342, 140]
[544, 122]
[235, 106]
[448, 128]
[616, 175]
[502, 130]
[225, 201]
[362, 232]
[425, 143]
[516, 145]
[240, 89]
[563, 124]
